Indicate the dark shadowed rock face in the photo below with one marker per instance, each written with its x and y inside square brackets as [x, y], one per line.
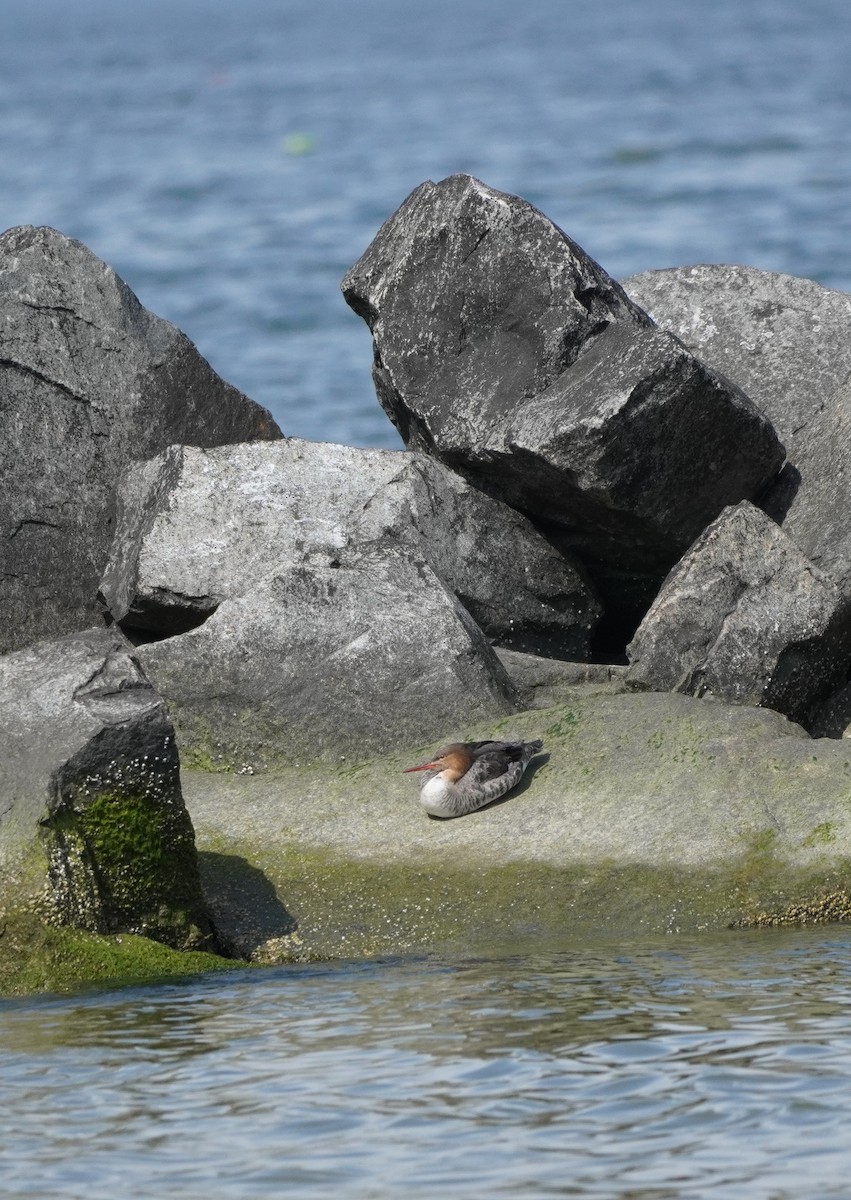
[635, 448]
[198, 526]
[90, 770]
[476, 301]
[90, 381]
[319, 662]
[505, 351]
[745, 617]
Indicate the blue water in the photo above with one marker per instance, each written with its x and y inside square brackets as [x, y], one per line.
[231, 161]
[718, 1067]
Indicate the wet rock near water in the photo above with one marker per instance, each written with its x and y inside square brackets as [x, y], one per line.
[197, 527]
[323, 662]
[504, 350]
[90, 787]
[90, 381]
[745, 617]
[647, 814]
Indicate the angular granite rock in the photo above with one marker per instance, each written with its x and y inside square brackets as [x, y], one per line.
[90, 382]
[475, 301]
[89, 780]
[504, 350]
[636, 448]
[746, 618]
[785, 341]
[323, 661]
[812, 496]
[198, 526]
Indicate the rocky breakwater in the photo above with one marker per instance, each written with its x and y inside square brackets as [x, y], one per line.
[94, 834]
[648, 448]
[327, 601]
[591, 539]
[505, 351]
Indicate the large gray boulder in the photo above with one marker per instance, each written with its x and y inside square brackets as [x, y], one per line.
[787, 343]
[323, 661]
[90, 381]
[745, 617]
[90, 802]
[196, 527]
[476, 301]
[504, 350]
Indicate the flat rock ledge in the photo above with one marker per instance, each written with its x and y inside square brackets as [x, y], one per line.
[646, 814]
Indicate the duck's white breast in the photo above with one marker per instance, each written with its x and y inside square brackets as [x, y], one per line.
[436, 798]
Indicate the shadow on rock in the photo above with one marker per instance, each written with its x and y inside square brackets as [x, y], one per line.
[250, 920]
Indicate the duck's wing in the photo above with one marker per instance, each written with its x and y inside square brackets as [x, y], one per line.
[488, 763]
[491, 774]
[506, 752]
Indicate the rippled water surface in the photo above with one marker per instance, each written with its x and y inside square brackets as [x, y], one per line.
[716, 1067]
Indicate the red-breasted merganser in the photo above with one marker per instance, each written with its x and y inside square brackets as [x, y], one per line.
[468, 775]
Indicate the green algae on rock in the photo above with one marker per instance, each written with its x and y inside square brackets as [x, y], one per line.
[38, 957]
[121, 853]
[653, 813]
[93, 828]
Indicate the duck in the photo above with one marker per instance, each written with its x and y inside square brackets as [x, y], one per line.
[465, 776]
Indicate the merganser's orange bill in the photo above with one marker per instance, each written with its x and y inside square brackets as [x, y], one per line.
[425, 767]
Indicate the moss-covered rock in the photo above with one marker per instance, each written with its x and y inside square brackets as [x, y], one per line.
[92, 820]
[36, 956]
[121, 850]
[652, 813]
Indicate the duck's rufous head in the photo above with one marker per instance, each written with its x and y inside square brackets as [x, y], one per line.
[451, 762]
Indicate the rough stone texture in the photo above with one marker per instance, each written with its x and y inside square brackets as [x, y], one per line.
[198, 526]
[745, 617]
[89, 382]
[543, 682]
[812, 497]
[476, 301]
[637, 447]
[324, 661]
[654, 813]
[90, 770]
[785, 341]
[502, 349]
